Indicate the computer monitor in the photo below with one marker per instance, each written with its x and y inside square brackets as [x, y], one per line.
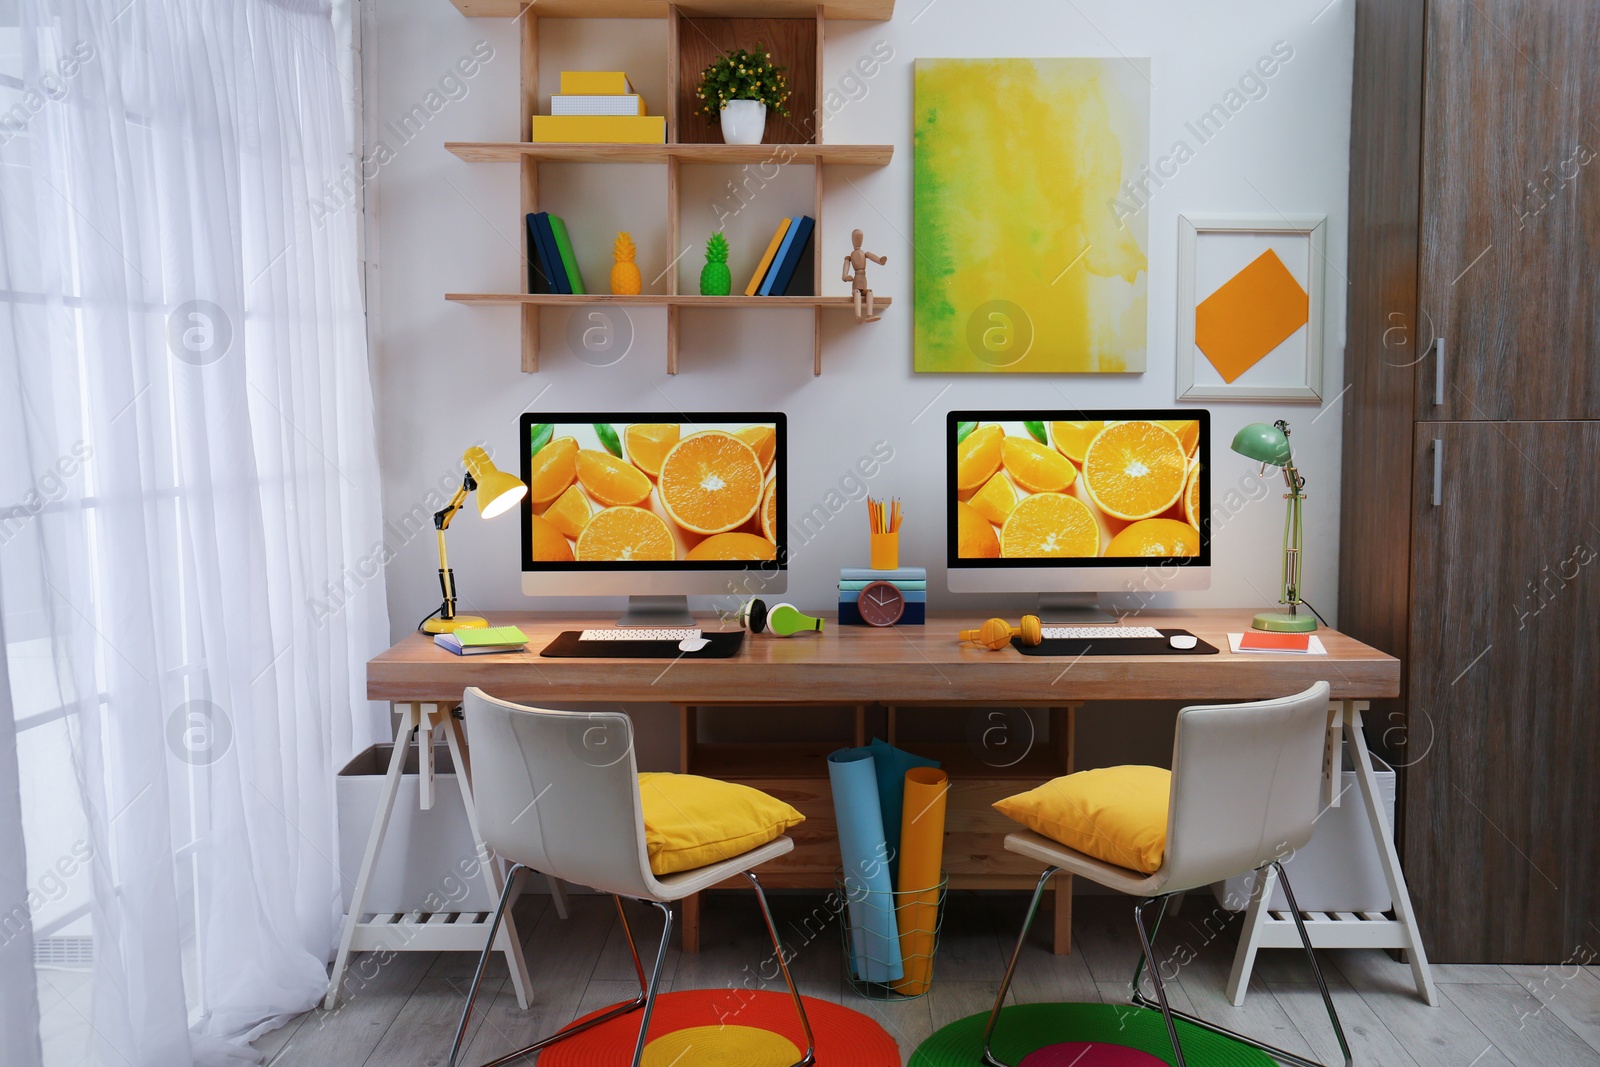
[1071, 504]
[653, 506]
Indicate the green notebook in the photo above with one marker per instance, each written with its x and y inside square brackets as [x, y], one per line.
[568, 260]
[491, 635]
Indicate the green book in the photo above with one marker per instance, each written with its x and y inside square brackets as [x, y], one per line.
[568, 260]
[491, 635]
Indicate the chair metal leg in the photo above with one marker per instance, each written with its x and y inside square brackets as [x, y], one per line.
[1322, 986]
[989, 1057]
[655, 982]
[647, 987]
[1170, 1014]
[783, 965]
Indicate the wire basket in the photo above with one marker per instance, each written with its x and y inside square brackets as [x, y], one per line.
[883, 959]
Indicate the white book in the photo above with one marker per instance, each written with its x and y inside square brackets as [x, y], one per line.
[597, 104]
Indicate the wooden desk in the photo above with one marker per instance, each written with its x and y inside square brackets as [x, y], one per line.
[901, 669]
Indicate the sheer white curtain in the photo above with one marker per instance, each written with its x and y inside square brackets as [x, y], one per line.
[190, 534]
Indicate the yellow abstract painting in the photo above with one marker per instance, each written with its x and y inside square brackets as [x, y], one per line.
[1029, 241]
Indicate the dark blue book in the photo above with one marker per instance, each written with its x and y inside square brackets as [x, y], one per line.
[539, 280]
[914, 615]
[552, 255]
[800, 283]
[793, 241]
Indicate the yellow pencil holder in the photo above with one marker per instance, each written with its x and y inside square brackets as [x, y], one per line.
[885, 551]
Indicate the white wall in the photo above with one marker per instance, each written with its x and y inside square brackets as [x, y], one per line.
[448, 375]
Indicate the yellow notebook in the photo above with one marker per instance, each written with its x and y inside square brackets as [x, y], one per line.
[594, 82]
[766, 260]
[599, 129]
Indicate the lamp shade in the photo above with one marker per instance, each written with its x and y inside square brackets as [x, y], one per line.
[1263, 443]
[498, 491]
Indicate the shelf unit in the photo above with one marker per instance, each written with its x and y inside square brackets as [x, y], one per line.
[794, 31]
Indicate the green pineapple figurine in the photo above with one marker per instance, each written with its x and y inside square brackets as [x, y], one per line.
[715, 278]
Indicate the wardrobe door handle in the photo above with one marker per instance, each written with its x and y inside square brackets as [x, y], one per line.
[1438, 472]
[1438, 370]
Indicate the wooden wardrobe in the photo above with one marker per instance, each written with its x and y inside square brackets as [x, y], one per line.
[1470, 540]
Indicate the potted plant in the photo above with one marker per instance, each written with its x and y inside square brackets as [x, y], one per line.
[738, 88]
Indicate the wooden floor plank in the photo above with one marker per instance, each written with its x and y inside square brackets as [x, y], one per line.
[1370, 1040]
[1569, 993]
[421, 1033]
[376, 991]
[1520, 1026]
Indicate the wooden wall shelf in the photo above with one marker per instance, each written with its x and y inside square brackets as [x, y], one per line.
[794, 32]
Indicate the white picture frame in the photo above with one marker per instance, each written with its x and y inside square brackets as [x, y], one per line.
[1293, 371]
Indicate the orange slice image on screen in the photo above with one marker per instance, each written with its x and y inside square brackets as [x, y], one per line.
[549, 544]
[552, 469]
[1050, 524]
[975, 537]
[733, 546]
[995, 500]
[1156, 537]
[1187, 431]
[610, 480]
[769, 512]
[570, 513]
[763, 441]
[625, 533]
[1191, 497]
[1072, 438]
[711, 482]
[978, 456]
[1135, 470]
[647, 444]
[1035, 467]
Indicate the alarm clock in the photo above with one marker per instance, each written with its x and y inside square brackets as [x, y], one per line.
[881, 604]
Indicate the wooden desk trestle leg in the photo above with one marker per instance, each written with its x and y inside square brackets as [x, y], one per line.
[1265, 928]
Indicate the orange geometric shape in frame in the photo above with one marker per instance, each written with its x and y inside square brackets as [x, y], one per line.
[1252, 313]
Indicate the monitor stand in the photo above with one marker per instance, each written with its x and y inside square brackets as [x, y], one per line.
[657, 612]
[1074, 609]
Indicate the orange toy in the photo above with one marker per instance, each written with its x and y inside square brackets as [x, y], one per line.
[997, 633]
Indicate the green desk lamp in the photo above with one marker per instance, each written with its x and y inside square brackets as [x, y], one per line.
[498, 492]
[1269, 445]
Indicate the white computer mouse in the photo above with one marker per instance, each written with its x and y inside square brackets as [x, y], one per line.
[1183, 640]
[694, 644]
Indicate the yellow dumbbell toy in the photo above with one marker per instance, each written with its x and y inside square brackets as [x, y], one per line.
[997, 633]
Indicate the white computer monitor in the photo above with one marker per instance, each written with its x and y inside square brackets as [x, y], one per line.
[654, 506]
[1072, 504]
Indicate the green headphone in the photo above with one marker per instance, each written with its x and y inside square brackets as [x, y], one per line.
[782, 620]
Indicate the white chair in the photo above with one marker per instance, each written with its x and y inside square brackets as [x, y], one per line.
[1246, 789]
[558, 792]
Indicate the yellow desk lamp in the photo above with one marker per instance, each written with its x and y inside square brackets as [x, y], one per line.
[498, 492]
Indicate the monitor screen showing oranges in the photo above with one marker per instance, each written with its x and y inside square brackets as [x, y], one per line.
[639, 491]
[1077, 488]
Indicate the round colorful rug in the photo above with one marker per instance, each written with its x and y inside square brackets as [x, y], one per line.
[1082, 1035]
[730, 1028]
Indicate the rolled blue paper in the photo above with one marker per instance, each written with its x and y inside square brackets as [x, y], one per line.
[891, 765]
[874, 937]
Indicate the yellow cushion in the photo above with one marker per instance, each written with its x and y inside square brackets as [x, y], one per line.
[690, 821]
[1115, 814]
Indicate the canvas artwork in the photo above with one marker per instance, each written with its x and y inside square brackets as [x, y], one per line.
[1030, 245]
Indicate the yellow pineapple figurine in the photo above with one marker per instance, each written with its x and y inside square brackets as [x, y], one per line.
[625, 280]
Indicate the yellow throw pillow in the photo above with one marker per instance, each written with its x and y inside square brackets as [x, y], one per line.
[690, 821]
[1115, 814]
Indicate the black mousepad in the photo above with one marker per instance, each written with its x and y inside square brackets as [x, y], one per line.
[723, 644]
[1116, 646]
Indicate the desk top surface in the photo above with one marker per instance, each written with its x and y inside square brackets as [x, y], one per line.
[899, 665]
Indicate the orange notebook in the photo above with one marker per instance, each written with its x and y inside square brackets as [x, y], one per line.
[766, 260]
[1262, 641]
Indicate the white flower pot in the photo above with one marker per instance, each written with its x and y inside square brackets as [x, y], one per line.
[744, 121]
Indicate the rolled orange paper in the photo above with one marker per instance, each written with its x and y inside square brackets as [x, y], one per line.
[921, 859]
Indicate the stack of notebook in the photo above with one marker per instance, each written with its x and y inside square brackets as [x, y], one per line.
[483, 640]
[598, 107]
[552, 268]
[785, 270]
[911, 581]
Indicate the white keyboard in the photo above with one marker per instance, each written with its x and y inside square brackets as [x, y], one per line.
[639, 633]
[1097, 633]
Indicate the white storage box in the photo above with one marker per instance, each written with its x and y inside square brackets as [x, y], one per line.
[428, 861]
[1338, 870]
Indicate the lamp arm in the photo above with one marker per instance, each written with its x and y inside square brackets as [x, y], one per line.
[441, 523]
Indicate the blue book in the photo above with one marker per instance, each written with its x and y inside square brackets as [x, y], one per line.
[911, 596]
[794, 243]
[800, 281]
[552, 255]
[901, 584]
[867, 574]
[539, 279]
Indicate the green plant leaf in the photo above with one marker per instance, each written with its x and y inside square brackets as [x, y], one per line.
[1037, 430]
[963, 429]
[539, 436]
[608, 437]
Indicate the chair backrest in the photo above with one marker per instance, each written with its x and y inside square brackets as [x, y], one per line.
[558, 791]
[1246, 785]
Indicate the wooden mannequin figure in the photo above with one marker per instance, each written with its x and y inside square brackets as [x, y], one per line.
[855, 272]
